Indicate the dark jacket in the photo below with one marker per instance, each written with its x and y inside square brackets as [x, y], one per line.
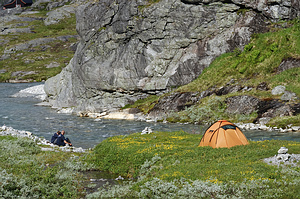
[54, 137]
[60, 140]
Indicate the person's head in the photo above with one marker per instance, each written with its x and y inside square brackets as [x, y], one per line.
[58, 132]
[63, 132]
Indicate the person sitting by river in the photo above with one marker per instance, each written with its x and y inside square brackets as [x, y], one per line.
[62, 141]
[54, 137]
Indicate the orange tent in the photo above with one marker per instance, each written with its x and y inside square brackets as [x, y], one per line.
[223, 134]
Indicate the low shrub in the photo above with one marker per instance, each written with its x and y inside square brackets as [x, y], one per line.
[28, 172]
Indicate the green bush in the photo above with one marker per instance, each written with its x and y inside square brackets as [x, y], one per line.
[27, 172]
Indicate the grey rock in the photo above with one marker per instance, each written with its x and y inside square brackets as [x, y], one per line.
[13, 11]
[283, 150]
[150, 50]
[274, 9]
[228, 89]
[242, 104]
[264, 120]
[73, 46]
[288, 64]
[41, 4]
[3, 71]
[283, 157]
[295, 128]
[58, 14]
[28, 46]
[131, 49]
[55, 4]
[279, 110]
[171, 103]
[15, 31]
[147, 130]
[5, 56]
[262, 86]
[288, 96]
[278, 90]
[53, 65]
[22, 73]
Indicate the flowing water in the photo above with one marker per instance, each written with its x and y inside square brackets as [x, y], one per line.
[22, 113]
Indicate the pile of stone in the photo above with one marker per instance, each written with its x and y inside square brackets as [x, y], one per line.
[252, 126]
[45, 145]
[284, 158]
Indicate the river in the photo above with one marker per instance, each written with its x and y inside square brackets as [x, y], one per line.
[22, 113]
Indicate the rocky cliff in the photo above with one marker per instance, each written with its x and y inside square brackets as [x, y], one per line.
[131, 49]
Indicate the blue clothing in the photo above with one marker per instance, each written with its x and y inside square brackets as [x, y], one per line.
[54, 137]
[60, 140]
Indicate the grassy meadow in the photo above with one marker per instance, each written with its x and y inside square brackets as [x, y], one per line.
[171, 165]
[156, 165]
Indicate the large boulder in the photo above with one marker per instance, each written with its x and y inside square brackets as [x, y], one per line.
[242, 104]
[55, 16]
[130, 49]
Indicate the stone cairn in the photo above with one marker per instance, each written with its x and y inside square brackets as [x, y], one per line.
[284, 158]
[283, 155]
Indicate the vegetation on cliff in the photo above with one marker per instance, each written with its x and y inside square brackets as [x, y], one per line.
[257, 63]
[41, 59]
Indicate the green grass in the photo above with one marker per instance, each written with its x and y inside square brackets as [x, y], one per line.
[163, 164]
[257, 63]
[145, 105]
[125, 154]
[162, 158]
[282, 122]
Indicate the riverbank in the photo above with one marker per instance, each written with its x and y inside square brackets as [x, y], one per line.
[133, 114]
[126, 115]
[44, 144]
